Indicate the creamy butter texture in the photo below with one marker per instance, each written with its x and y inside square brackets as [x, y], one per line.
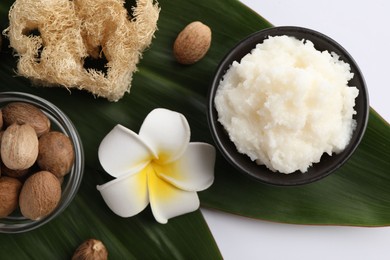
[285, 104]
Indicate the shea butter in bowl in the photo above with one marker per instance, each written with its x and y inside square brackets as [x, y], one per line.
[287, 106]
[35, 195]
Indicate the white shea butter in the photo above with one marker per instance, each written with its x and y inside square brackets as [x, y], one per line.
[285, 104]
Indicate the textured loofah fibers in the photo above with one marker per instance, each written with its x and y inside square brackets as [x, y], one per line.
[53, 38]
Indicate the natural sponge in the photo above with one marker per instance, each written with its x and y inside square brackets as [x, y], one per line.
[53, 39]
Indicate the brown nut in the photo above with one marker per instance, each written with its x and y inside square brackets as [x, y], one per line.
[192, 43]
[1, 119]
[19, 147]
[24, 113]
[40, 195]
[56, 153]
[18, 174]
[9, 195]
[1, 136]
[91, 249]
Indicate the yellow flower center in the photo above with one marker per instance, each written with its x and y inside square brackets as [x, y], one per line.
[157, 184]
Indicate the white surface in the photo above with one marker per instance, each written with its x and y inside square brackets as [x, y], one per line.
[362, 27]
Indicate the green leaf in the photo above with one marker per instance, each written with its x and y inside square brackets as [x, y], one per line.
[357, 194]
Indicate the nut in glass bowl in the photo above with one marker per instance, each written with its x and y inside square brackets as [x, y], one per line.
[281, 92]
[65, 184]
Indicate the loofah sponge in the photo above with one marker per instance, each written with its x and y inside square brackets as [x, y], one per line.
[53, 39]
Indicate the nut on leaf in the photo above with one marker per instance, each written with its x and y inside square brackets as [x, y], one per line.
[19, 147]
[24, 113]
[192, 43]
[9, 194]
[40, 195]
[91, 249]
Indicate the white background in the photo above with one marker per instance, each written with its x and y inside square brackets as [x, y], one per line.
[363, 28]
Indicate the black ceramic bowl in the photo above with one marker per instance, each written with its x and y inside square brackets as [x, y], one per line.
[328, 164]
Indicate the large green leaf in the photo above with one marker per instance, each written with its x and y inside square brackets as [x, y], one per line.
[355, 195]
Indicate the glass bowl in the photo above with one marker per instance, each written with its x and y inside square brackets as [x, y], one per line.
[327, 164]
[16, 223]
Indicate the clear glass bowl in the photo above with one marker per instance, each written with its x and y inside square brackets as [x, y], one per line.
[16, 223]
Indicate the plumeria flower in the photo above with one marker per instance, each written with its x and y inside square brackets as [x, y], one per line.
[158, 166]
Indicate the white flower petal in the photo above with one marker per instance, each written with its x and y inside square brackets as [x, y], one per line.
[167, 133]
[122, 152]
[193, 171]
[127, 195]
[167, 201]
